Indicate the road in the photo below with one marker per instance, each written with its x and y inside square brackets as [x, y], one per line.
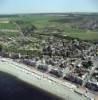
[9, 30]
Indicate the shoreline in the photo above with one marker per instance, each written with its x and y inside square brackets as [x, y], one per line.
[19, 70]
[8, 78]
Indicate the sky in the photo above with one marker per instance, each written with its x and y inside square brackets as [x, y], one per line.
[47, 6]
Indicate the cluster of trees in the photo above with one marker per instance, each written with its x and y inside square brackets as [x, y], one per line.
[27, 52]
[87, 64]
[26, 27]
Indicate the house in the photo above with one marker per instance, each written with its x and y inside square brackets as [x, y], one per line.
[42, 68]
[92, 86]
[73, 79]
[56, 72]
[29, 62]
[15, 55]
[4, 54]
[93, 81]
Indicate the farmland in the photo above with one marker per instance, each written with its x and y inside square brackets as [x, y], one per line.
[20, 33]
[69, 23]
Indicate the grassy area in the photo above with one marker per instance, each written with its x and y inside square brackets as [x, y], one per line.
[9, 34]
[8, 26]
[40, 21]
[84, 35]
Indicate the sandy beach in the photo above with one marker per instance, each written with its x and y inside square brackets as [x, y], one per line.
[39, 80]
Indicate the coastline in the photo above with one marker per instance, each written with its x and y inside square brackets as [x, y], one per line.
[40, 81]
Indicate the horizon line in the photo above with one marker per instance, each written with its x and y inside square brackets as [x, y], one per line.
[47, 13]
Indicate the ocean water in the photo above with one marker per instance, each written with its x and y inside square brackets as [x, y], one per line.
[12, 88]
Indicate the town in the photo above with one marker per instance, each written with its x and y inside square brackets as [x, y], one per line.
[60, 49]
[68, 59]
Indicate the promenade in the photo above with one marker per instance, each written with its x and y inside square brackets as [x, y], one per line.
[40, 80]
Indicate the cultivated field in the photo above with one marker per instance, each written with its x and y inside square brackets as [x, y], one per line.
[23, 32]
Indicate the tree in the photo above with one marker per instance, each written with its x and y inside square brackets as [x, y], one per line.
[0, 47]
[28, 29]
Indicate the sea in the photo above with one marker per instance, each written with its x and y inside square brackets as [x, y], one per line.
[12, 88]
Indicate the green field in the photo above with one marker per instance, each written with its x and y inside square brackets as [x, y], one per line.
[7, 26]
[62, 22]
[70, 23]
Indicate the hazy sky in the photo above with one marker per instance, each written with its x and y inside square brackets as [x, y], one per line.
[38, 6]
